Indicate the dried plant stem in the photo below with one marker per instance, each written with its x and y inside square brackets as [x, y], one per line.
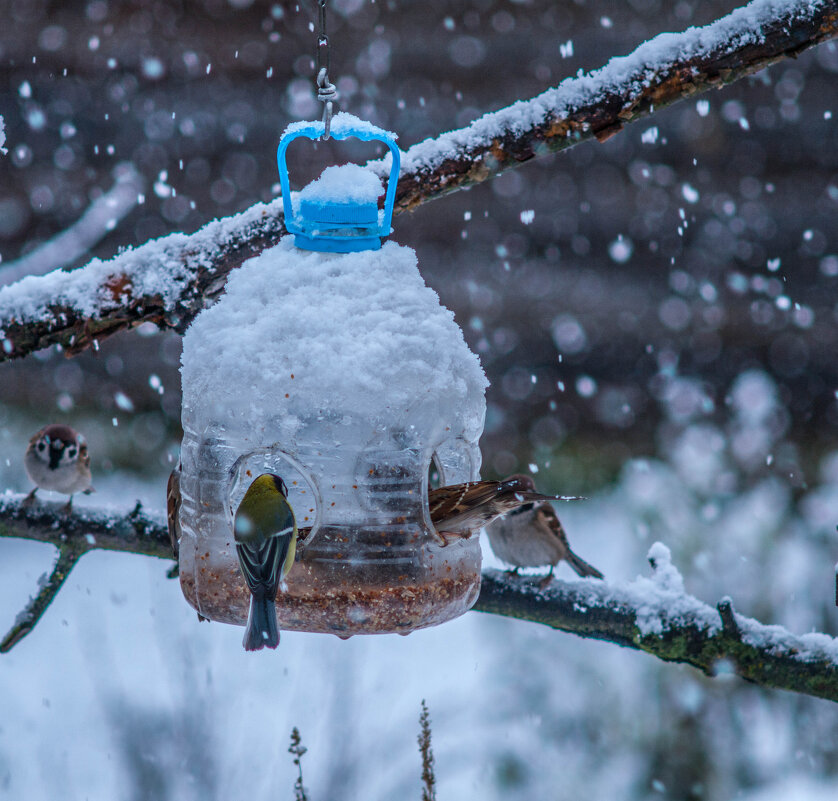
[424, 739]
[298, 749]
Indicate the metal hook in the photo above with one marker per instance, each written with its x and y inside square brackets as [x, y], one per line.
[326, 93]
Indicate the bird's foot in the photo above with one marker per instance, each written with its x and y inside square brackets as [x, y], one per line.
[29, 500]
[68, 507]
[545, 582]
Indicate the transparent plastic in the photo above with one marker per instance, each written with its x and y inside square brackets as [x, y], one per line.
[370, 563]
[342, 373]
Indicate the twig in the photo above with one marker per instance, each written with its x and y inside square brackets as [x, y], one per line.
[68, 555]
[100, 219]
[729, 624]
[74, 534]
[298, 749]
[424, 739]
[168, 281]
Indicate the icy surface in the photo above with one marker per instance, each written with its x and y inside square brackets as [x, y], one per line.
[344, 183]
[298, 332]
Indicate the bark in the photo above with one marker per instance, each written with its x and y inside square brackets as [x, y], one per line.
[431, 169]
[780, 660]
[765, 655]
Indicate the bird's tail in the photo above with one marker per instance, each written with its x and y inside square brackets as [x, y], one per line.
[261, 631]
[581, 566]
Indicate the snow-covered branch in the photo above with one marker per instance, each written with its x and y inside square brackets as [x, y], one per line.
[169, 280]
[655, 615]
[101, 217]
[651, 614]
[74, 534]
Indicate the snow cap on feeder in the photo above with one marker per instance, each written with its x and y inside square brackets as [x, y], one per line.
[338, 213]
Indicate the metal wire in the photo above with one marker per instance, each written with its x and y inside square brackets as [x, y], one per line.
[327, 93]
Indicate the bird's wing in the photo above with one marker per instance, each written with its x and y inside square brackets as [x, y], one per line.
[545, 516]
[173, 508]
[261, 564]
[477, 503]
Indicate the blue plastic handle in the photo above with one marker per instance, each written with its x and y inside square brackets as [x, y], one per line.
[343, 126]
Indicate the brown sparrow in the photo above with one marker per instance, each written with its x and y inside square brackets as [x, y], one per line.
[173, 501]
[532, 536]
[173, 508]
[57, 460]
[459, 510]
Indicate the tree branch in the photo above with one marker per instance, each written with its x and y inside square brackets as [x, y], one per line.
[654, 614]
[672, 627]
[74, 534]
[168, 281]
[68, 555]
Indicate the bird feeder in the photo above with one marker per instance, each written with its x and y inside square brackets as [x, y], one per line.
[330, 363]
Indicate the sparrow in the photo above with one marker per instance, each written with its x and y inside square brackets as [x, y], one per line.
[173, 520]
[57, 460]
[457, 511]
[532, 536]
[173, 509]
[265, 530]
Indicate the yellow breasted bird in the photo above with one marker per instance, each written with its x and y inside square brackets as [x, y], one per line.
[266, 541]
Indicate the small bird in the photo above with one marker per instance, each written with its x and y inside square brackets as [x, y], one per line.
[266, 541]
[173, 501]
[57, 460]
[532, 536]
[457, 511]
[173, 509]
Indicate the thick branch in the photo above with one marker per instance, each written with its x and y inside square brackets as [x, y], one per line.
[85, 529]
[168, 281]
[654, 614]
[713, 641]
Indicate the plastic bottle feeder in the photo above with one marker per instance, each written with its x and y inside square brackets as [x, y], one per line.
[329, 362]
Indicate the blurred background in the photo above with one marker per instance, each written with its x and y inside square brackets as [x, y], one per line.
[656, 315]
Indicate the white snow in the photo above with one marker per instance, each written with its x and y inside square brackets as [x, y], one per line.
[619, 76]
[164, 266]
[660, 604]
[342, 124]
[360, 333]
[160, 267]
[3, 150]
[344, 183]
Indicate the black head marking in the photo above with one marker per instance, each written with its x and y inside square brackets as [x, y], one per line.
[280, 485]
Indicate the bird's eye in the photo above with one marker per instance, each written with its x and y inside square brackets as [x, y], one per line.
[72, 453]
[41, 446]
